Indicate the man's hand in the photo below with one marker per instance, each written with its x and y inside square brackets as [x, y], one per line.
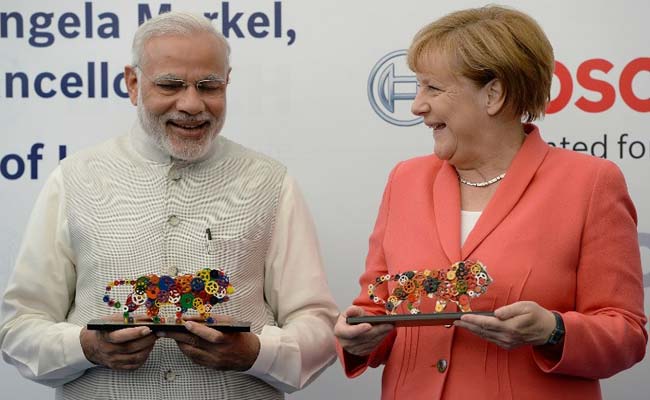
[218, 350]
[124, 349]
[362, 339]
[518, 324]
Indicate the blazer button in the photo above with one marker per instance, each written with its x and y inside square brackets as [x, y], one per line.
[441, 365]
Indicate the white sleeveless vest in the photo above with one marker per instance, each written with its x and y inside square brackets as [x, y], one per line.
[130, 216]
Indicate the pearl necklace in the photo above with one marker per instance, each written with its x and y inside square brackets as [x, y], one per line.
[484, 183]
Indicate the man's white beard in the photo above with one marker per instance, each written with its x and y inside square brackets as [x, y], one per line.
[189, 150]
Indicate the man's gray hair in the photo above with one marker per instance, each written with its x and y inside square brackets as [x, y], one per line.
[178, 23]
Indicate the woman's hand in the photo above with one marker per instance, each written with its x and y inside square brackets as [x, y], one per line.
[512, 326]
[359, 340]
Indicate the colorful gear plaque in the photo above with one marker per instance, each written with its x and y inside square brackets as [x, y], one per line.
[199, 292]
[459, 283]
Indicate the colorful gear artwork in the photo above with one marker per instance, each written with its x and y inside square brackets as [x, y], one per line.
[459, 283]
[198, 292]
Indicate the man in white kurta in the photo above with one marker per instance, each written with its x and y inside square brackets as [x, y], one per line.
[141, 204]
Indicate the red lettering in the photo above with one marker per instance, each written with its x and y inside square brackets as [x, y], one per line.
[625, 84]
[607, 92]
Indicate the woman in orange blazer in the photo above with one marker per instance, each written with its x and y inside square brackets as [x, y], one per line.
[555, 229]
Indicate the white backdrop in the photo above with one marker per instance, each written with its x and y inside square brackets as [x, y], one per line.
[300, 93]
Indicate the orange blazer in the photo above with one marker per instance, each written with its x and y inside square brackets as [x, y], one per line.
[560, 230]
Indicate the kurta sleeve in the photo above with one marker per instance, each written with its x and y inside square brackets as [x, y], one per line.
[34, 334]
[605, 334]
[301, 346]
[375, 266]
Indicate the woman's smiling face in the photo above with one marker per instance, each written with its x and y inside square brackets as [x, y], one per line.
[452, 106]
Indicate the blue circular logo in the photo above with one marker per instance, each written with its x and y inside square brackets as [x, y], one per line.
[391, 93]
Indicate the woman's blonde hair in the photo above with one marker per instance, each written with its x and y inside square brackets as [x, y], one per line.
[493, 42]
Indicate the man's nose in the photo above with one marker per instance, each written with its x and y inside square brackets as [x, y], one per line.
[190, 101]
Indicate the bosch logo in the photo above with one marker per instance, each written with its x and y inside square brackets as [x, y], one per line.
[625, 82]
[392, 88]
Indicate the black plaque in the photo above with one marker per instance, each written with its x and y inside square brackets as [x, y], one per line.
[104, 325]
[414, 319]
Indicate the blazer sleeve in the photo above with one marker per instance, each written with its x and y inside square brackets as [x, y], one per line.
[375, 266]
[605, 334]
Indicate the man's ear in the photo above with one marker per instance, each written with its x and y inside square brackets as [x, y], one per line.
[131, 80]
[495, 97]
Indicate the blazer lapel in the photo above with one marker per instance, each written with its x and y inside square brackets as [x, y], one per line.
[446, 206]
[512, 187]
